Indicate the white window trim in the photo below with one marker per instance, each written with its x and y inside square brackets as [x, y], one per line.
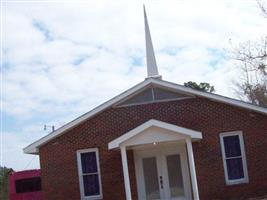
[243, 155]
[83, 197]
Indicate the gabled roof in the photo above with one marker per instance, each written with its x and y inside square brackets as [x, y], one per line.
[33, 148]
[154, 123]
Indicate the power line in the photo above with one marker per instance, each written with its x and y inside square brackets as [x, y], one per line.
[29, 162]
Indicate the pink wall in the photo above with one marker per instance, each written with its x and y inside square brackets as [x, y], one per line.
[23, 175]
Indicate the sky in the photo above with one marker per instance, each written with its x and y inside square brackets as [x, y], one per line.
[60, 59]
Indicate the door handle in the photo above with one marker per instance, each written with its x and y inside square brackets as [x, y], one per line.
[161, 182]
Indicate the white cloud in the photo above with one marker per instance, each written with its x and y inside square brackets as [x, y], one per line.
[62, 59]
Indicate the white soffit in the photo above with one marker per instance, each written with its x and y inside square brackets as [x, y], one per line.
[154, 123]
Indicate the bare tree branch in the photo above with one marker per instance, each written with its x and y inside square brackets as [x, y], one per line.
[251, 59]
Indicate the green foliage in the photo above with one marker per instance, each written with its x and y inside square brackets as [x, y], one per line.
[205, 87]
[4, 182]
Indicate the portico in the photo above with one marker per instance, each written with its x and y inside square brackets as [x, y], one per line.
[164, 160]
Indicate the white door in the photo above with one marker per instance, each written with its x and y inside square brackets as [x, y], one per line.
[162, 173]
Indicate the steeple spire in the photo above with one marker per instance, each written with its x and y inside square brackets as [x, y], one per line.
[152, 69]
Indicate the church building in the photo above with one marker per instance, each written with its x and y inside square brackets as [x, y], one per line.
[157, 141]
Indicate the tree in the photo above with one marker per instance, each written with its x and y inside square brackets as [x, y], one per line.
[205, 87]
[4, 182]
[252, 62]
[251, 59]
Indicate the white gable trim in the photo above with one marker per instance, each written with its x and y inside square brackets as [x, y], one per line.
[33, 148]
[211, 96]
[156, 123]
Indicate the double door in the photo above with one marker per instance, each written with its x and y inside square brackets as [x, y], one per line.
[162, 173]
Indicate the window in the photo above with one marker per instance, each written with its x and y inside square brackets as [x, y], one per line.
[234, 158]
[28, 185]
[153, 94]
[89, 174]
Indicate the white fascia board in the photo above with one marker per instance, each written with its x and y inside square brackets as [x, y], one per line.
[156, 123]
[33, 148]
[211, 96]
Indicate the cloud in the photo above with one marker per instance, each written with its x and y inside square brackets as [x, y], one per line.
[43, 29]
[61, 60]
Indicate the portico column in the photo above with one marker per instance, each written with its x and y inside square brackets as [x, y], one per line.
[126, 173]
[192, 168]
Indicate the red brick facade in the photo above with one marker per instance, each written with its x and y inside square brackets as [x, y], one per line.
[59, 163]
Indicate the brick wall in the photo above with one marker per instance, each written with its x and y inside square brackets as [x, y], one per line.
[59, 163]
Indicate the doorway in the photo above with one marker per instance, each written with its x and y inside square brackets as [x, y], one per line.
[162, 172]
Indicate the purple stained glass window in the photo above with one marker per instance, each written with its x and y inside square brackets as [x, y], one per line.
[89, 164]
[232, 146]
[235, 168]
[91, 185]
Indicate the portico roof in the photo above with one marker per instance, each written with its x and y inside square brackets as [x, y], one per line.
[168, 132]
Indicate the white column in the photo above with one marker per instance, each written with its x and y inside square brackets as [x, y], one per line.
[126, 173]
[192, 168]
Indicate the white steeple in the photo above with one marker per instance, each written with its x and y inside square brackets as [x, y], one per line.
[152, 69]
